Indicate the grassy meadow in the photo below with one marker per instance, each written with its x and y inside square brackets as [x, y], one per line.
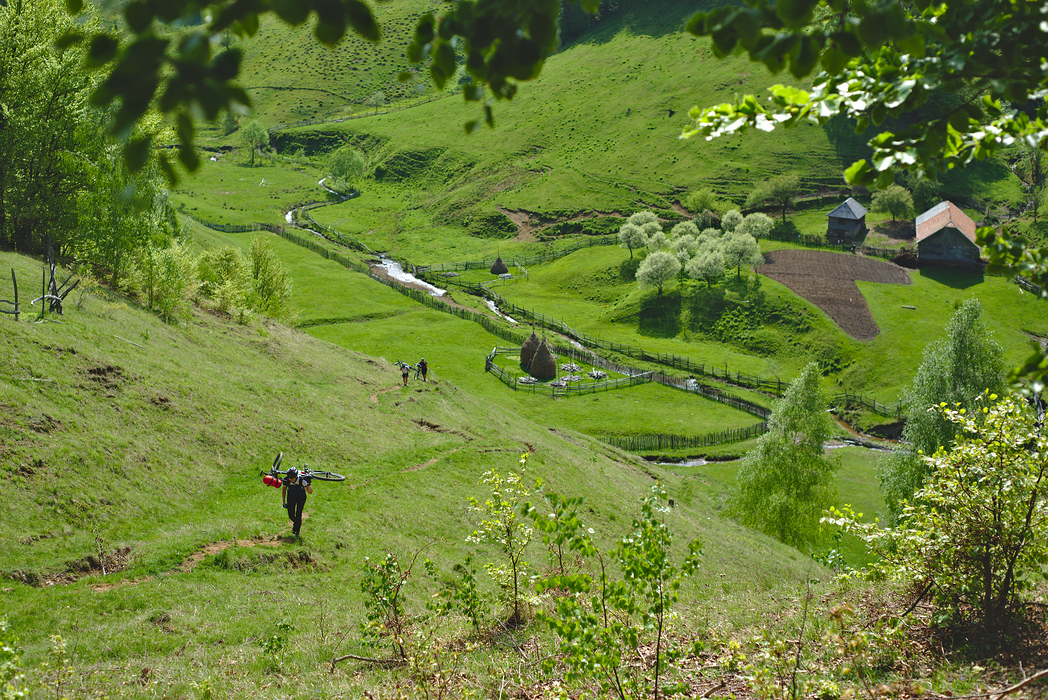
[145, 557]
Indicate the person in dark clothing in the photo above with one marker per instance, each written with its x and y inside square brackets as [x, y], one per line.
[293, 494]
[423, 368]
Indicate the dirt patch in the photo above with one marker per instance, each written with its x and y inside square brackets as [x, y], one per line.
[108, 378]
[828, 281]
[374, 397]
[44, 423]
[522, 220]
[434, 428]
[91, 565]
[194, 559]
[430, 463]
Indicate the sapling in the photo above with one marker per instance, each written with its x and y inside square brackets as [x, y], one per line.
[501, 524]
[603, 621]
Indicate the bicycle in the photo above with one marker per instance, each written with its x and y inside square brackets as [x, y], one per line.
[304, 473]
[418, 370]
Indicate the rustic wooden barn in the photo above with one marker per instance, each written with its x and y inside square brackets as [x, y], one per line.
[847, 221]
[946, 236]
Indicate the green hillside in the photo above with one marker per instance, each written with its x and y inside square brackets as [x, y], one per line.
[145, 558]
[137, 445]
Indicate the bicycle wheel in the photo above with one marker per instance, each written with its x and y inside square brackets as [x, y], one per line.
[276, 462]
[325, 476]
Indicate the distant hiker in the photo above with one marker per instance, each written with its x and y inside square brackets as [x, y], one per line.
[423, 368]
[294, 496]
[404, 373]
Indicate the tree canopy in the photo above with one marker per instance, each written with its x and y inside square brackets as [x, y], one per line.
[503, 42]
[787, 480]
[895, 200]
[956, 369]
[871, 61]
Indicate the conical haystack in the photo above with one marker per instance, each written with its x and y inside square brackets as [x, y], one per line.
[527, 351]
[543, 366]
[499, 267]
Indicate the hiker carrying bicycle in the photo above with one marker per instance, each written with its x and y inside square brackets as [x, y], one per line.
[293, 494]
[423, 368]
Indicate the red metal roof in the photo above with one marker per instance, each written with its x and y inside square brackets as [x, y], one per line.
[942, 215]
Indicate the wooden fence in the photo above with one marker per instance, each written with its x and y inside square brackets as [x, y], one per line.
[15, 309]
[650, 443]
[569, 389]
[847, 398]
[544, 257]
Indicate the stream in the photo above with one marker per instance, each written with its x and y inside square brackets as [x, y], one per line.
[395, 271]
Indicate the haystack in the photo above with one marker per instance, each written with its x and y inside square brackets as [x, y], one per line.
[543, 365]
[499, 267]
[527, 351]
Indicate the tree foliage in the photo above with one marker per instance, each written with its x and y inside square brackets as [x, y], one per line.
[977, 532]
[780, 192]
[348, 165]
[895, 200]
[632, 236]
[757, 225]
[872, 61]
[500, 524]
[614, 629]
[956, 369]
[707, 265]
[787, 481]
[657, 269]
[731, 220]
[254, 136]
[740, 249]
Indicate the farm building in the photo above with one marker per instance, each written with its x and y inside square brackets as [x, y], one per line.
[946, 236]
[846, 221]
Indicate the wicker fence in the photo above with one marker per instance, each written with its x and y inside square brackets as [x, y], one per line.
[569, 389]
[651, 443]
[544, 257]
[846, 398]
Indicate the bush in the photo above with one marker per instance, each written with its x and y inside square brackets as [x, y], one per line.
[164, 279]
[977, 533]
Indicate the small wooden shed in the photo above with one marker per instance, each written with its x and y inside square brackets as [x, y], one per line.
[946, 236]
[847, 221]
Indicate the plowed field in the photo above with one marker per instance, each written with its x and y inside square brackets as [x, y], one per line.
[828, 281]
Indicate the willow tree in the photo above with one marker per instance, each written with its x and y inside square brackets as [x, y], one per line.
[787, 480]
[956, 370]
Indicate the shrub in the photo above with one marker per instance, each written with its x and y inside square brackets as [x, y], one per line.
[164, 279]
[977, 533]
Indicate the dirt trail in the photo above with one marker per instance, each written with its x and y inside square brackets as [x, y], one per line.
[194, 559]
[522, 220]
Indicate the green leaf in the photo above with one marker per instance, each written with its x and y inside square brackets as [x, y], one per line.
[168, 170]
[294, 12]
[226, 65]
[101, 50]
[136, 153]
[795, 14]
[805, 57]
[138, 16]
[858, 173]
[362, 21]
